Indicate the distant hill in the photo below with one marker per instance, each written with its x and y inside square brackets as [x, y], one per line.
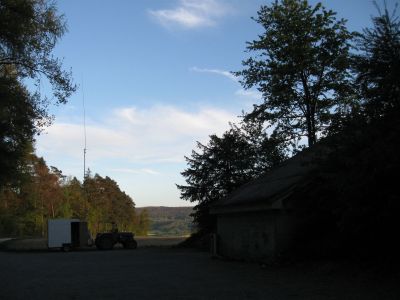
[169, 221]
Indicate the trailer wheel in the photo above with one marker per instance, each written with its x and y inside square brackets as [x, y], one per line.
[66, 248]
[130, 244]
[105, 243]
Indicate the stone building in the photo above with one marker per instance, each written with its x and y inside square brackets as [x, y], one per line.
[256, 221]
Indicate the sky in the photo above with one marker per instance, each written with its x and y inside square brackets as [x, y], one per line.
[155, 78]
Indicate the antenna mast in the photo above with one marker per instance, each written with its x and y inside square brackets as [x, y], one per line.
[84, 133]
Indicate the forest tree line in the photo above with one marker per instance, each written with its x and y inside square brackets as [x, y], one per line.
[43, 193]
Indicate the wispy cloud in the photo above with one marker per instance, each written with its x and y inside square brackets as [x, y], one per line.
[146, 136]
[224, 73]
[139, 147]
[192, 13]
[136, 171]
[251, 94]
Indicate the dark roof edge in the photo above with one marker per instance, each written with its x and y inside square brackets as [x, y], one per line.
[275, 204]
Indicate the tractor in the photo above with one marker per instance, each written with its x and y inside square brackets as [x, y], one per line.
[107, 240]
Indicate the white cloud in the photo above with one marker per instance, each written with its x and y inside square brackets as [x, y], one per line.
[146, 136]
[252, 94]
[192, 13]
[142, 149]
[224, 73]
[136, 171]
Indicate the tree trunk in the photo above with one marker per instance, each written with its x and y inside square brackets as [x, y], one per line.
[52, 209]
[310, 127]
[311, 139]
[310, 111]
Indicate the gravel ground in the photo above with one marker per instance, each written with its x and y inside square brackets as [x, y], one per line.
[165, 273]
[40, 244]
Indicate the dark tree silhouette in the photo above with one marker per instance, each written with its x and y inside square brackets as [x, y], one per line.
[29, 30]
[378, 65]
[224, 164]
[301, 66]
[18, 114]
[356, 182]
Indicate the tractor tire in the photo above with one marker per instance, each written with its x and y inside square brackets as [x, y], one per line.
[66, 248]
[104, 243]
[130, 244]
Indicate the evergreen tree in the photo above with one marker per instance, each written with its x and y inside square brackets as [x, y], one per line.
[224, 164]
[377, 65]
[355, 183]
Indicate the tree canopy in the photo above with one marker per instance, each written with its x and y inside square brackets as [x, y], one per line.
[44, 192]
[18, 113]
[29, 30]
[377, 65]
[224, 164]
[301, 67]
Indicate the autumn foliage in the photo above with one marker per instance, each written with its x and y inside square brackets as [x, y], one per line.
[42, 193]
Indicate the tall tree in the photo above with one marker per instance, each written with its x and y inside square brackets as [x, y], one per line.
[29, 30]
[75, 199]
[18, 114]
[47, 190]
[224, 164]
[377, 65]
[37, 196]
[108, 204]
[301, 66]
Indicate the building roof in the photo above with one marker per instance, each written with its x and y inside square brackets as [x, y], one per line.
[269, 190]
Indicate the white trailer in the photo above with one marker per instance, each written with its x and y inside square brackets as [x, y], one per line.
[67, 234]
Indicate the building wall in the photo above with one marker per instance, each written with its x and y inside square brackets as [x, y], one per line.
[287, 225]
[255, 235]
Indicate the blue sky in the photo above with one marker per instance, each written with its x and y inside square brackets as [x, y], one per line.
[155, 78]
